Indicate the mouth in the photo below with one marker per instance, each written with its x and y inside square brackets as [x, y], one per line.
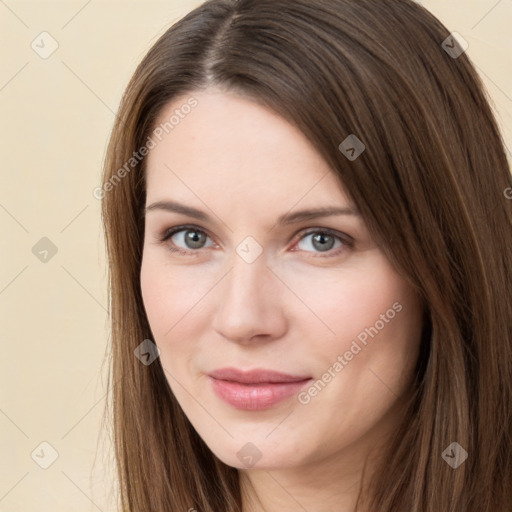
[256, 389]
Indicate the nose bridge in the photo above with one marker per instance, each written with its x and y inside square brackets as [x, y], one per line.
[246, 307]
[246, 281]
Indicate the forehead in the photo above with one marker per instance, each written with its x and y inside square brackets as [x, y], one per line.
[230, 148]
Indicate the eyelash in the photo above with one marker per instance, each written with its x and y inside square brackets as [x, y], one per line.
[347, 241]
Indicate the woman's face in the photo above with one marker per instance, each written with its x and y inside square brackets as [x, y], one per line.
[259, 287]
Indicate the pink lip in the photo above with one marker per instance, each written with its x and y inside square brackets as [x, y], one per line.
[255, 389]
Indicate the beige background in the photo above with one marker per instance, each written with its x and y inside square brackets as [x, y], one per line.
[56, 114]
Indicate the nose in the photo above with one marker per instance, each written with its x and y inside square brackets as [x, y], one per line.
[249, 306]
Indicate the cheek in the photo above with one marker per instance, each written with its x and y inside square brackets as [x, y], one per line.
[154, 295]
[374, 324]
[170, 303]
[172, 297]
[369, 363]
[342, 305]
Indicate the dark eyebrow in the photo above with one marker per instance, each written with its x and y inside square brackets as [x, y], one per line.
[290, 218]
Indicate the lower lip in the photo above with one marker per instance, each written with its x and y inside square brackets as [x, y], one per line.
[255, 397]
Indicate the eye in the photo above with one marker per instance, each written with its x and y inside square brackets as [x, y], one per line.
[323, 240]
[192, 238]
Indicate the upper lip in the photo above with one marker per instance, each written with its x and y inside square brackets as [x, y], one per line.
[256, 376]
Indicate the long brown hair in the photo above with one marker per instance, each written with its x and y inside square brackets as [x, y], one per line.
[431, 186]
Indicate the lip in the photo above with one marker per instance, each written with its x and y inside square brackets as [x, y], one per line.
[257, 389]
[256, 376]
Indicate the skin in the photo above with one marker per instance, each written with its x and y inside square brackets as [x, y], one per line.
[295, 309]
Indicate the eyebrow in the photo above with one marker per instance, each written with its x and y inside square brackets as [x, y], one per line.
[285, 219]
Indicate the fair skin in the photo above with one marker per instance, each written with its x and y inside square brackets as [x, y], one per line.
[294, 309]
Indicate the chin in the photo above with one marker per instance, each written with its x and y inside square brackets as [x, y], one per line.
[256, 455]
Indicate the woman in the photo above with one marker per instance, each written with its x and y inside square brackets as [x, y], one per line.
[271, 356]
